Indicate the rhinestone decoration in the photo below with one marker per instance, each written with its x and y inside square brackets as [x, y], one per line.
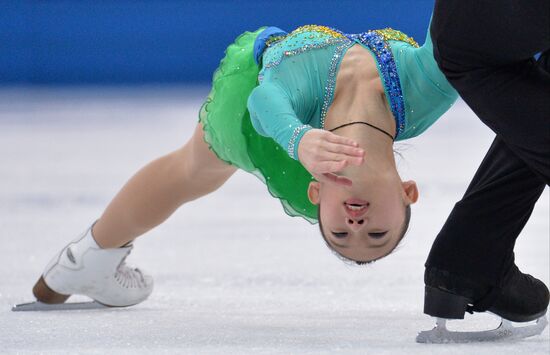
[304, 48]
[310, 37]
[376, 41]
[292, 141]
[331, 81]
[389, 34]
[300, 40]
[274, 39]
[316, 28]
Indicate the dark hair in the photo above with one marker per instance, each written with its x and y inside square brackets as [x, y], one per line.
[346, 259]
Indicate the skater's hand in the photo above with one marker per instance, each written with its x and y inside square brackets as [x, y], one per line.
[324, 153]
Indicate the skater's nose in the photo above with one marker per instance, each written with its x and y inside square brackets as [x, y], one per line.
[356, 224]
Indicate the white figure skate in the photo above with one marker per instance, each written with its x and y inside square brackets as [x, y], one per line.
[83, 268]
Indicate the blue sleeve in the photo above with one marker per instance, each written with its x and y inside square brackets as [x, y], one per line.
[260, 42]
[272, 116]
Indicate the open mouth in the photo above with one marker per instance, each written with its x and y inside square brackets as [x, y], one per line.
[356, 207]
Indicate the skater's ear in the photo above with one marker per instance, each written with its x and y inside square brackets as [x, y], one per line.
[313, 192]
[411, 191]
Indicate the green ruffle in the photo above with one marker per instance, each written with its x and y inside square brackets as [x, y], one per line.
[230, 134]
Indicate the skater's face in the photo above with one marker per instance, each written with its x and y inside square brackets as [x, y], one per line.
[365, 221]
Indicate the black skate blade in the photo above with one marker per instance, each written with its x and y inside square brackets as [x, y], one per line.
[506, 331]
[44, 307]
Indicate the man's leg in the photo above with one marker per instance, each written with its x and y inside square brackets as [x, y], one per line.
[478, 239]
[486, 51]
[472, 258]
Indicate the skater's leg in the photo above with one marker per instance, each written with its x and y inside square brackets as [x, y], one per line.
[514, 102]
[158, 189]
[94, 265]
[478, 33]
[478, 239]
[472, 259]
[490, 63]
[486, 51]
[544, 61]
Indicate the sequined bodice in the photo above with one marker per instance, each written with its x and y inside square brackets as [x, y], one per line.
[298, 79]
[308, 76]
[300, 40]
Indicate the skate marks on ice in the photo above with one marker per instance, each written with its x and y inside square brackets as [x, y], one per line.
[69, 306]
[506, 331]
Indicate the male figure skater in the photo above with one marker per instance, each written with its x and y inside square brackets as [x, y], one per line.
[488, 51]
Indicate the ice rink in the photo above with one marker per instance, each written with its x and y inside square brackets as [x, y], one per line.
[233, 274]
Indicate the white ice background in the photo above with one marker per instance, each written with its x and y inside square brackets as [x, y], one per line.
[233, 273]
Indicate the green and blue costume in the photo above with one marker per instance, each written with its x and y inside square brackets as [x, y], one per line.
[272, 87]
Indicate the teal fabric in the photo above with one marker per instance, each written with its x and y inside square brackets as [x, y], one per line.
[299, 71]
[292, 87]
[426, 91]
[229, 132]
[295, 89]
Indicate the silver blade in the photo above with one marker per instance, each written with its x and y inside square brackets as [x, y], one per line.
[505, 332]
[71, 306]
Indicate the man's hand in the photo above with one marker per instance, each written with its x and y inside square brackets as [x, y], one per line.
[324, 153]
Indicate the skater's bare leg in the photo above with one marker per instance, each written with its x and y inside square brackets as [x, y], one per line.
[158, 189]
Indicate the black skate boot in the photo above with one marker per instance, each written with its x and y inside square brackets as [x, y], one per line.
[522, 297]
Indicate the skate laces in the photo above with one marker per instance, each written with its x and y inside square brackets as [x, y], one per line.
[129, 277]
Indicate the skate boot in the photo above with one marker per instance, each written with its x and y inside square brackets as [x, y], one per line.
[522, 298]
[83, 268]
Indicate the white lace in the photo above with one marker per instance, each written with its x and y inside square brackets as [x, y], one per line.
[128, 277]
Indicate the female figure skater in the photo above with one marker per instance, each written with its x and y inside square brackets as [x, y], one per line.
[314, 114]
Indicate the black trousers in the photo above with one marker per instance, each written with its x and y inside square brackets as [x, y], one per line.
[486, 49]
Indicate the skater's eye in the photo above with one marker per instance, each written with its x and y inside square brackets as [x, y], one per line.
[340, 235]
[378, 235]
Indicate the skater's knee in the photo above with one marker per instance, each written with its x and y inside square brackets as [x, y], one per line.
[194, 168]
[201, 159]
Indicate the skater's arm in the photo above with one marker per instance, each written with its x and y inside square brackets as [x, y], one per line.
[272, 115]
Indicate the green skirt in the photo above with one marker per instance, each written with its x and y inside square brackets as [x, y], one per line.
[230, 134]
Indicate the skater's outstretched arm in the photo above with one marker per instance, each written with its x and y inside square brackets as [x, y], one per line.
[158, 189]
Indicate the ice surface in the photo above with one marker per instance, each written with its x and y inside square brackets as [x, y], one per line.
[233, 273]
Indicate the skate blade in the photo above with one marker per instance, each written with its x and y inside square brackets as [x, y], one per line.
[70, 306]
[506, 331]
